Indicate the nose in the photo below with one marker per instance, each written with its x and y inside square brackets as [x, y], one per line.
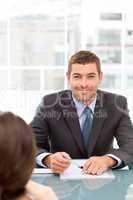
[83, 83]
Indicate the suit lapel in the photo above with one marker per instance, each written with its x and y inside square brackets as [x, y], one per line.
[72, 121]
[100, 114]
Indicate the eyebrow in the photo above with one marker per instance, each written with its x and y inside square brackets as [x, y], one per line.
[93, 73]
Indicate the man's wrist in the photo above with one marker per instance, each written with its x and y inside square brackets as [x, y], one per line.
[46, 161]
[111, 161]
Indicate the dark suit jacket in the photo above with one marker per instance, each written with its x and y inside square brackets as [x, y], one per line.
[57, 128]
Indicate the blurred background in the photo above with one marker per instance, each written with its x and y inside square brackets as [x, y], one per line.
[37, 37]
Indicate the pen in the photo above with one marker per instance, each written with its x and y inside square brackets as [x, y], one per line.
[81, 167]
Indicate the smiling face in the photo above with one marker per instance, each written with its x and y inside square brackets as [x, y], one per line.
[84, 80]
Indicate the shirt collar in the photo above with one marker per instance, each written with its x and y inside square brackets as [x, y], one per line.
[80, 106]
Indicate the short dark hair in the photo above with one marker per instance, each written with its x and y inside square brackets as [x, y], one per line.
[84, 57]
[17, 154]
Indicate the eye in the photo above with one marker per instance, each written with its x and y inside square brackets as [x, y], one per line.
[76, 76]
[91, 76]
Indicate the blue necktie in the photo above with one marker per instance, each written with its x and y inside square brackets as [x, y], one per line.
[87, 125]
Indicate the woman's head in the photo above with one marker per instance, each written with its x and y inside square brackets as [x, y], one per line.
[17, 152]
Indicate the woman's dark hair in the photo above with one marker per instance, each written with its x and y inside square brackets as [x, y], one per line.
[17, 153]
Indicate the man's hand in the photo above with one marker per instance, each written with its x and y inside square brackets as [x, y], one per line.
[96, 165]
[58, 162]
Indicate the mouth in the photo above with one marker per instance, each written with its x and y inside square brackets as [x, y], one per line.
[87, 94]
[83, 90]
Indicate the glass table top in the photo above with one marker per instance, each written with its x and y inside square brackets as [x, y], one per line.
[121, 188]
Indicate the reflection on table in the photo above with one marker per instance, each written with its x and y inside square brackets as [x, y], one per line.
[119, 189]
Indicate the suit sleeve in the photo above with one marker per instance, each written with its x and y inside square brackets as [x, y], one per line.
[124, 134]
[40, 128]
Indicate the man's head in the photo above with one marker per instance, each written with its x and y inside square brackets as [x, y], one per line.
[84, 75]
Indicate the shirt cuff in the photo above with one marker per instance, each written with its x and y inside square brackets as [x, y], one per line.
[119, 161]
[40, 158]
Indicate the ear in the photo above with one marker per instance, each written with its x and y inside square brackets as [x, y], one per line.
[68, 76]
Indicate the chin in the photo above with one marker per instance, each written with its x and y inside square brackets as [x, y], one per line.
[86, 98]
[83, 98]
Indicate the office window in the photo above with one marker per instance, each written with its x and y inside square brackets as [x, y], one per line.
[54, 79]
[25, 80]
[129, 81]
[35, 39]
[38, 37]
[59, 58]
[111, 81]
[128, 43]
[108, 45]
[3, 80]
[111, 16]
[3, 44]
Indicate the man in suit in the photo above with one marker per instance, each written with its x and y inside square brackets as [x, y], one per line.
[61, 121]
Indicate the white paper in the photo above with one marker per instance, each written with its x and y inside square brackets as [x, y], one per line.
[42, 171]
[75, 172]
